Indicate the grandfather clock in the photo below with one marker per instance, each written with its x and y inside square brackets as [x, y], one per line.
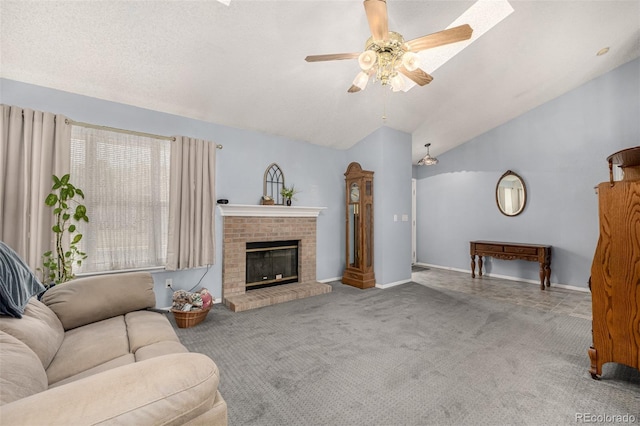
[359, 225]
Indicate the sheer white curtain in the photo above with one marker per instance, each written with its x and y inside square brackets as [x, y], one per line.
[35, 145]
[125, 179]
[192, 202]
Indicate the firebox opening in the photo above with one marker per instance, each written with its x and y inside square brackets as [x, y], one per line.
[271, 263]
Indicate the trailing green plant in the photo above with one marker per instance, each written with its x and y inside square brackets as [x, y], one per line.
[57, 265]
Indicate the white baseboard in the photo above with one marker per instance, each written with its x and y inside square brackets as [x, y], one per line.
[507, 277]
[383, 286]
[448, 268]
[330, 280]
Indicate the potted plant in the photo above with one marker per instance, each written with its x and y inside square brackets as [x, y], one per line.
[57, 265]
[288, 193]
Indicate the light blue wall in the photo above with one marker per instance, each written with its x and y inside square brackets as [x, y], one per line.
[387, 152]
[318, 172]
[560, 150]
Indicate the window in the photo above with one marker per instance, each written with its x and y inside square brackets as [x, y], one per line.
[125, 179]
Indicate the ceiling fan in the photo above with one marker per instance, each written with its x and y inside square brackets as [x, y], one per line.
[386, 53]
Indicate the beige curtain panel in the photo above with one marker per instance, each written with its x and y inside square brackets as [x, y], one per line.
[191, 241]
[35, 145]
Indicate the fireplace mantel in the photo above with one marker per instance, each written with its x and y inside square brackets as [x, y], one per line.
[268, 211]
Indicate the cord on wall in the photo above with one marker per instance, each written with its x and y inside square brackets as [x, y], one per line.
[200, 280]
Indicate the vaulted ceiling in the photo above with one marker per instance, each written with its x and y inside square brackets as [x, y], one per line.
[243, 65]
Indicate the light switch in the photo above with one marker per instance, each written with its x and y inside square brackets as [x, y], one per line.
[395, 217]
[405, 218]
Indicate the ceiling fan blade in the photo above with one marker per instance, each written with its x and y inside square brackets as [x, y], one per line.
[378, 20]
[331, 57]
[353, 89]
[419, 76]
[452, 35]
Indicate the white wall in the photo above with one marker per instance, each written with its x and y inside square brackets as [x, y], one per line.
[560, 150]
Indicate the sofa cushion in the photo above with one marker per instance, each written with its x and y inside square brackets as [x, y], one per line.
[109, 365]
[91, 299]
[145, 328]
[21, 372]
[88, 347]
[38, 328]
[159, 349]
[17, 283]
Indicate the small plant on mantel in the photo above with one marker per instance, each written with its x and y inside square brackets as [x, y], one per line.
[57, 266]
[288, 193]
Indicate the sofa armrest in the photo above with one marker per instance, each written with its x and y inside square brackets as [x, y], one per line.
[85, 300]
[170, 389]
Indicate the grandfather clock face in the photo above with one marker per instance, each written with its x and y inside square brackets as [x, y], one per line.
[354, 192]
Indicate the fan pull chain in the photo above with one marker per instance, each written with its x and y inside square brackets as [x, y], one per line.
[384, 103]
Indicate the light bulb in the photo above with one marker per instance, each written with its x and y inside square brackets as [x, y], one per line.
[397, 83]
[367, 59]
[361, 80]
[411, 61]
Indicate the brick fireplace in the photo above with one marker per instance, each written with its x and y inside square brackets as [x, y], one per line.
[251, 224]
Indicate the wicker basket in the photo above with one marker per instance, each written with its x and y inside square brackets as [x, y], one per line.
[186, 319]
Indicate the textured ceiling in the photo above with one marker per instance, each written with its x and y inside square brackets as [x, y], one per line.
[243, 65]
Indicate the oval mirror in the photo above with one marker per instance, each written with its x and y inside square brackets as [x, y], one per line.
[511, 194]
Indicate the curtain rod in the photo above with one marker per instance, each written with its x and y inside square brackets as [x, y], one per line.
[129, 132]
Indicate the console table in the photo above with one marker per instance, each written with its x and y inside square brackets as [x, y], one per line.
[510, 251]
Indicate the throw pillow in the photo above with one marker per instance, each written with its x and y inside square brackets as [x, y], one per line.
[17, 283]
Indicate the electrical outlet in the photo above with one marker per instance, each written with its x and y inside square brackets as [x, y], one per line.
[168, 283]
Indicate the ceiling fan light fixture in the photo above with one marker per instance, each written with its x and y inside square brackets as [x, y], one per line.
[411, 61]
[427, 160]
[367, 60]
[397, 83]
[361, 80]
[386, 53]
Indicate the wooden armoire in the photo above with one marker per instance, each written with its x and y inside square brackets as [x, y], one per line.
[615, 271]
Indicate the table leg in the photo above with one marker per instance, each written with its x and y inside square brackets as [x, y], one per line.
[547, 274]
[473, 266]
[542, 275]
[479, 266]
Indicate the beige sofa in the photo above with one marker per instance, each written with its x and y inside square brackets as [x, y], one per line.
[91, 353]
